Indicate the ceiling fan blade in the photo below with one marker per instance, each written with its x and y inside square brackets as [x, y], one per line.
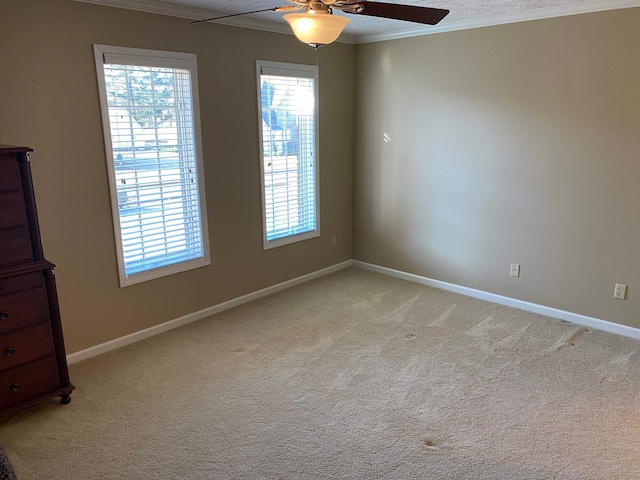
[409, 13]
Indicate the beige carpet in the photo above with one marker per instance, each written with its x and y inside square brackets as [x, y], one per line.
[353, 376]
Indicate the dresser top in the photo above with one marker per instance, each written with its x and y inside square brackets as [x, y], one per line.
[14, 149]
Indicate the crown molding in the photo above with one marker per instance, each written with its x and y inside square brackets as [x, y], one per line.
[151, 6]
[190, 13]
[537, 14]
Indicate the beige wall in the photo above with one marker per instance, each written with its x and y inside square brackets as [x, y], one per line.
[517, 143]
[49, 101]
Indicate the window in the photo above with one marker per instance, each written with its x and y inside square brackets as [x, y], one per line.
[288, 99]
[149, 102]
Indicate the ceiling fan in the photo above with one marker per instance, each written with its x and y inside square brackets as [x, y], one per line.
[317, 25]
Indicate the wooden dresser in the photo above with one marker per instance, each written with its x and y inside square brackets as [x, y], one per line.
[33, 364]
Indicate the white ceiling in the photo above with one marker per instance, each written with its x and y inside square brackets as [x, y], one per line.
[464, 14]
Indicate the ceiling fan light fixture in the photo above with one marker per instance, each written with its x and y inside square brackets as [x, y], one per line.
[317, 28]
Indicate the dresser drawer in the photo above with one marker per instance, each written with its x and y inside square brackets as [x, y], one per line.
[23, 309]
[9, 173]
[28, 382]
[15, 246]
[12, 213]
[17, 283]
[26, 345]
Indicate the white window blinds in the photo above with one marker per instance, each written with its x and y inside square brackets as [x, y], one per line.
[154, 162]
[288, 124]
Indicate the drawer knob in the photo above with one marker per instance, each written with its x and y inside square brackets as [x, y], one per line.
[9, 351]
[4, 315]
[15, 387]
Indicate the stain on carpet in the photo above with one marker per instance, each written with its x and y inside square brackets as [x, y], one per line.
[432, 444]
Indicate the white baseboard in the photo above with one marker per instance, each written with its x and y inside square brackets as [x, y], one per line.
[192, 317]
[470, 292]
[510, 302]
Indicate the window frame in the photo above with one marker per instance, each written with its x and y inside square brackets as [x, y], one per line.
[300, 71]
[161, 59]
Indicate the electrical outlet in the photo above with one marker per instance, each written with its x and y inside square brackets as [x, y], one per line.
[515, 270]
[334, 241]
[620, 291]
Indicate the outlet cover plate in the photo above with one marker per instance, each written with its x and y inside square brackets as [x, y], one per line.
[515, 270]
[620, 291]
